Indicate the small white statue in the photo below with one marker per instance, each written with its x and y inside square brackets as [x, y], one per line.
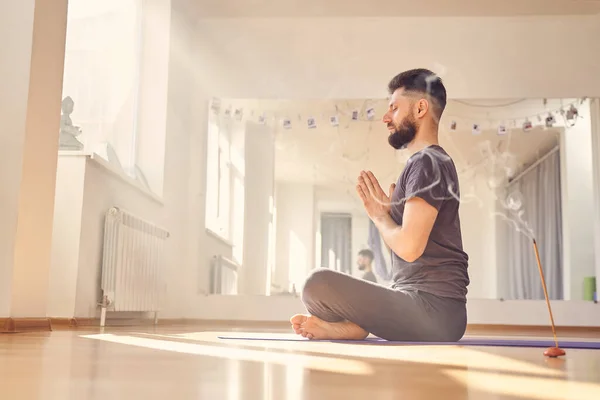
[69, 132]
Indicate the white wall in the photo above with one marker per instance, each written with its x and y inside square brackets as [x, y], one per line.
[578, 205]
[152, 97]
[66, 236]
[295, 234]
[33, 41]
[14, 78]
[355, 57]
[595, 119]
[258, 216]
[478, 224]
[502, 278]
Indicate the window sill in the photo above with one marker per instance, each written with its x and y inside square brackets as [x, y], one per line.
[98, 160]
[219, 237]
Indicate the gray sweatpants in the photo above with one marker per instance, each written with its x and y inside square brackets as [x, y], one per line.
[382, 311]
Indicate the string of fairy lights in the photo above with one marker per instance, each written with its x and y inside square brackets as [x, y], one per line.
[344, 113]
[567, 113]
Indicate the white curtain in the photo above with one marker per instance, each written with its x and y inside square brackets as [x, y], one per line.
[336, 241]
[381, 269]
[540, 194]
[102, 73]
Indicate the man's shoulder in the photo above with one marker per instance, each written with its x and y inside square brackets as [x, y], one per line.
[430, 162]
[430, 174]
[431, 156]
[370, 276]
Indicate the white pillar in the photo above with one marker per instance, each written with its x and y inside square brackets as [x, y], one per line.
[295, 233]
[281, 275]
[259, 190]
[33, 50]
[595, 124]
[578, 200]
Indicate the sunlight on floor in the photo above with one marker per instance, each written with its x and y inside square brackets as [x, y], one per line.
[320, 363]
[457, 356]
[525, 386]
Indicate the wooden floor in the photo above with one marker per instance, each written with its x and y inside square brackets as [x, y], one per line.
[190, 362]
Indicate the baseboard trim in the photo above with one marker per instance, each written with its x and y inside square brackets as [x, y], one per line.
[20, 325]
[74, 323]
[71, 322]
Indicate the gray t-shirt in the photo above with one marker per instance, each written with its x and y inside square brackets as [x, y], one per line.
[370, 276]
[442, 269]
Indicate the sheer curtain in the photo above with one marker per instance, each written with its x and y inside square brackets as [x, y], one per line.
[336, 241]
[381, 269]
[540, 193]
[102, 75]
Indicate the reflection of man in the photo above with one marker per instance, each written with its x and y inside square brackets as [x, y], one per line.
[365, 261]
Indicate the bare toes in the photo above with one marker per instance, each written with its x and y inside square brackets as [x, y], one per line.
[298, 319]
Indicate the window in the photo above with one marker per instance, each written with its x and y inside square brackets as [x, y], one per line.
[101, 79]
[237, 222]
[115, 85]
[272, 240]
[225, 181]
[218, 182]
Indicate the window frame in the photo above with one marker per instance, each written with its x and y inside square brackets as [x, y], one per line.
[218, 212]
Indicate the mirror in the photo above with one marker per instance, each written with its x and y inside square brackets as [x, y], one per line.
[287, 171]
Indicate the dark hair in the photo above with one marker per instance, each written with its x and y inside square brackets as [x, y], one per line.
[366, 253]
[422, 81]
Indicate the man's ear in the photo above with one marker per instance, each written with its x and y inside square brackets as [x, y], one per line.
[422, 106]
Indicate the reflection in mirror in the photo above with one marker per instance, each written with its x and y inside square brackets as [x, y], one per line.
[281, 190]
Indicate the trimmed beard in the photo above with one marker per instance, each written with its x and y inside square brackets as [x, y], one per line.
[404, 133]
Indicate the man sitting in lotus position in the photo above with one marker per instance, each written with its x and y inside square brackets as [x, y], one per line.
[418, 220]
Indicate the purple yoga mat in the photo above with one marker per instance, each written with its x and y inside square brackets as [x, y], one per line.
[467, 341]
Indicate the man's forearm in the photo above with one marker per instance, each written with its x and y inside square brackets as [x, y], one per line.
[395, 237]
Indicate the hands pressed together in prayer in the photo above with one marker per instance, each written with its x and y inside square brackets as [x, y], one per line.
[376, 202]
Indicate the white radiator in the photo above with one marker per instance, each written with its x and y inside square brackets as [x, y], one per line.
[132, 265]
[224, 276]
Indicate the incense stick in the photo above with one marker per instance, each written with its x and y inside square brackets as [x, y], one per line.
[537, 256]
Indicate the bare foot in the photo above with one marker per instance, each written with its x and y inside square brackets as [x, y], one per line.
[297, 321]
[312, 327]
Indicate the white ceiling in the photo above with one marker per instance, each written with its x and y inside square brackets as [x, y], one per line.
[334, 156]
[390, 8]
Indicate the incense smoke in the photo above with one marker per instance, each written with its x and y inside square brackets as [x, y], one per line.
[498, 167]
